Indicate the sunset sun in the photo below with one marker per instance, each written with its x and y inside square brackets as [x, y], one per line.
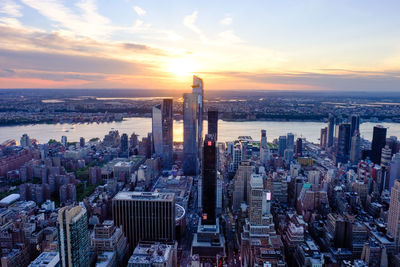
[182, 67]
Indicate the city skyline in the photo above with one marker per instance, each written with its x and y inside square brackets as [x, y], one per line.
[313, 45]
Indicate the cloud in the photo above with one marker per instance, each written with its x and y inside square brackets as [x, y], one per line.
[20, 39]
[226, 21]
[229, 37]
[189, 22]
[10, 8]
[347, 80]
[139, 11]
[87, 22]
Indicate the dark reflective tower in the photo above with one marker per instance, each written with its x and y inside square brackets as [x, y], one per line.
[343, 143]
[213, 123]
[378, 142]
[355, 124]
[209, 192]
[331, 130]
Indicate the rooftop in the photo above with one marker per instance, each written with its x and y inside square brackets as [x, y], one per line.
[128, 195]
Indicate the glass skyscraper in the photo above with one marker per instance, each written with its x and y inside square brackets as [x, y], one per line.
[209, 192]
[213, 123]
[73, 236]
[378, 142]
[190, 134]
[162, 129]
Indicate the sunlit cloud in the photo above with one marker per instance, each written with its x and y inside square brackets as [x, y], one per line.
[226, 21]
[139, 11]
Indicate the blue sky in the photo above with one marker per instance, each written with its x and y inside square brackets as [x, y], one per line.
[279, 45]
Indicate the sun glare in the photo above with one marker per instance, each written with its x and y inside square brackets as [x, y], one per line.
[182, 67]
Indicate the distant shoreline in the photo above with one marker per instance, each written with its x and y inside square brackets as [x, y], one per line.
[179, 118]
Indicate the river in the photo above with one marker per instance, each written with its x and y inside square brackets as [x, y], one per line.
[227, 130]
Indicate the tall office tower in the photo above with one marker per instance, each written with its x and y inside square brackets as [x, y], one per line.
[82, 142]
[198, 89]
[393, 144]
[64, 140]
[299, 147]
[133, 140]
[355, 148]
[355, 125]
[263, 138]
[162, 132]
[259, 227]
[241, 181]
[288, 155]
[378, 142]
[229, 147]
[281, 145]
[213, 123]
[237, 158]
[256, 199]
[209, 192]
[124, 142]
[393, 225]
[145, 216]
[25, 141]
[290, 141]
[386, 156]
[394, 170]
[265, 154]
[343, 143]
[323, 137]
[150, 148]
[167, 132]
[243, 149]
[156, 123]
[331, 130]
[190, 124]
[73, 236]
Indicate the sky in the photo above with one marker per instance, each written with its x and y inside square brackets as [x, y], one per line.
[341, 45]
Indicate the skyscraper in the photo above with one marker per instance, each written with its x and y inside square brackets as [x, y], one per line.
[198, 89]
[323, 137]
[145, 216]
[378, 142]
[124, 143]
[167, 133]
[157, 130]
[64, 141]
[209, 192]
[25, 141]
[386, 156]
[290, 141]
[82, 142]
[213, 123]
[355, 124]
[241, 182]
[263, 138]
[299, 147]
[393, 225]
[73, 236]
[190, 137]
[394, 170]
[281, 145]
[162, 132]
[355, 148]
[331, 129]
[343, 143]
